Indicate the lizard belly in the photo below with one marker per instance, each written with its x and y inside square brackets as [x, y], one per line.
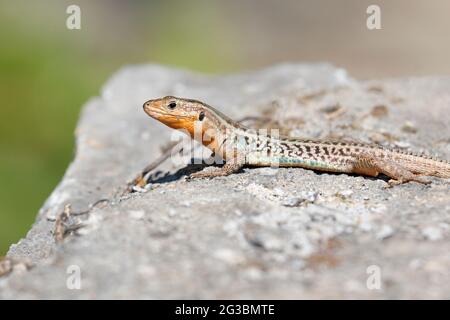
[266, 161]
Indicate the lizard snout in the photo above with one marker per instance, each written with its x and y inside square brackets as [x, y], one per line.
[146, 106]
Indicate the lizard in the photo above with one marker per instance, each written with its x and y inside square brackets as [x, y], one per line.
[242, 146]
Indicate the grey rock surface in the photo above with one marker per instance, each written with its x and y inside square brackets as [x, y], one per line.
[263, 233]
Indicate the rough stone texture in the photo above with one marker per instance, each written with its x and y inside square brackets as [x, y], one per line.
[263, 233]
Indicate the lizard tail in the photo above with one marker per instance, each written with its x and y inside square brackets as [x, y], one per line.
[426, 166]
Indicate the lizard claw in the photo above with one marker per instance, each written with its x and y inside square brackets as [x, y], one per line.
[391, 183]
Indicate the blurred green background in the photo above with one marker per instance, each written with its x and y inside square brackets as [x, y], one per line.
[48, 71]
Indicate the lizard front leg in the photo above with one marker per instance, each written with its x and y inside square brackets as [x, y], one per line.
[232, 166]
[389, 167]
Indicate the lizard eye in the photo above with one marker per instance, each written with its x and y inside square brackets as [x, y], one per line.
[201, 116]
[172, 105]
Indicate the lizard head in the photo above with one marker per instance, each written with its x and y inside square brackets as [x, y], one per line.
[177, 113]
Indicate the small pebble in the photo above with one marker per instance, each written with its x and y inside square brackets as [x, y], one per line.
[136, 214]
[402, 144]
[229, 256]
[409, 127]
[346, 193]
[310, 196]
[139, 189]
[432, 233]
[379, 111]
[20, 268]
[292, 202]
[305, 197]
[253, 273]
[146, 270]
[385, 232]
[148, 187]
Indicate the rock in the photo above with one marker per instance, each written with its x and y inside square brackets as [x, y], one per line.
[253, 234]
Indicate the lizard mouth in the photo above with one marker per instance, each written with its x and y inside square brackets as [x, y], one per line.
[156, 113]
[166, 117]
[153, 112]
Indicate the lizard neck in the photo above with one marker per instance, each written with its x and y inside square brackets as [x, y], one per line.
[214, 131]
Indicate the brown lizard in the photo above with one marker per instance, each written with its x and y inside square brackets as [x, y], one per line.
[239, 146]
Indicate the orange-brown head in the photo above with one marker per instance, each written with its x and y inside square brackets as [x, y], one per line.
[198, 120]
[175, 112]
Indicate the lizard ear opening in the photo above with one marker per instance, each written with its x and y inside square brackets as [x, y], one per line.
[201, 116]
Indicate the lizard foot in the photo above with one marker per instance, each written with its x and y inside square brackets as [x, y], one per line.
[391, 183]
[207, 174]
[226, 170]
